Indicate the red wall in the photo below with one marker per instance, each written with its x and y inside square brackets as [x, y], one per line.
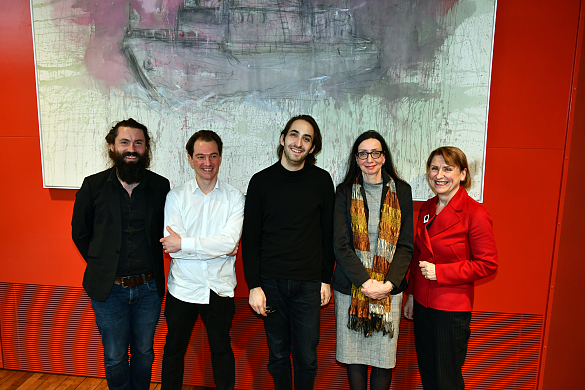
[531, 85]
[534, 54]
[564, 350]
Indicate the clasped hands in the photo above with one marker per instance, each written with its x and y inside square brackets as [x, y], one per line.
[375, 289]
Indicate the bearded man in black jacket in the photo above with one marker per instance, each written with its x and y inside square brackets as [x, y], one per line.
[117, 224]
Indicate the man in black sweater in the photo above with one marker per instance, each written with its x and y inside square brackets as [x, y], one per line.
[287, 249]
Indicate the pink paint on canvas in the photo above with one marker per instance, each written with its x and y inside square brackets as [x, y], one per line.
[103, 57]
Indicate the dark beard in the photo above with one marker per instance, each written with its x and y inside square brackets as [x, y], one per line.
[130, 172]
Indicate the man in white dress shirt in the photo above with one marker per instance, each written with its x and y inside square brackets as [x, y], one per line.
[203, 220]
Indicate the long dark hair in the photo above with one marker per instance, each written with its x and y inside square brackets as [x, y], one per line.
[353, 170]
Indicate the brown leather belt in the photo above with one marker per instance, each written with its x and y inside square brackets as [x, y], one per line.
[131, 281]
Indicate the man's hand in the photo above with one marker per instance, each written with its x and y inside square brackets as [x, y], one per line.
[376, 290]
[428, 270]
[235, 251]
[325, 293]
[172, 242]
[257, 301]
[409, 307]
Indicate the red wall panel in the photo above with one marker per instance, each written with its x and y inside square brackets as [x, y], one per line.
[35, 228]
[565, 349]
[531, 74]
[18, 87]
[524, 210]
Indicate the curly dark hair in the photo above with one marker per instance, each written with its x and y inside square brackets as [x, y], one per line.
[317, 140]
[130, 122]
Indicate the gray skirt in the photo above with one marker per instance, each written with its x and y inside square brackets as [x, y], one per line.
[354, 348]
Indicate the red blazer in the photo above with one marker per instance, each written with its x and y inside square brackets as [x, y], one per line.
[460, 242]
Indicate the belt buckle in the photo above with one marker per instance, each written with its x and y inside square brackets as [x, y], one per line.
[122, 280]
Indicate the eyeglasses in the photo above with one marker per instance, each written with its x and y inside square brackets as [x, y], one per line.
[376, 154]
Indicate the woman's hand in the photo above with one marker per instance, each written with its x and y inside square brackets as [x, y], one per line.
[409, 307]
[376, 290]
[428, 270]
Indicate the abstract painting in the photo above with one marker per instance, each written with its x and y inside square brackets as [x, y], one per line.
[417, 71]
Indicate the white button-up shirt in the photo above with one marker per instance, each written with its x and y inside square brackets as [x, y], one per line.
[210, 227]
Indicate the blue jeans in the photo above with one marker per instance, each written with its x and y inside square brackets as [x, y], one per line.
[128, 318]
[296, 321]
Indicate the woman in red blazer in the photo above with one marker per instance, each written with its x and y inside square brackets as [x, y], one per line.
[454, 247]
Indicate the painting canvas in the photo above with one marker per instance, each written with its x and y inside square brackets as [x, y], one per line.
[417, 71]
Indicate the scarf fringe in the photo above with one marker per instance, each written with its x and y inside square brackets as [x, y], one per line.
[376, 323]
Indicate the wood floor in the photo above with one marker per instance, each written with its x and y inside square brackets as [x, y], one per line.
[24, 380]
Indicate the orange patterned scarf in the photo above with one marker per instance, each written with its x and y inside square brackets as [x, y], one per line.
[365, 314]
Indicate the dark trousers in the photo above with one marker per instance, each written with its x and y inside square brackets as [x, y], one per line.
[217, 317]
[296, 321]
[441, 340]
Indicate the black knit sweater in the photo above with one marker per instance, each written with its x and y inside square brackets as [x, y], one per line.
[288, 225]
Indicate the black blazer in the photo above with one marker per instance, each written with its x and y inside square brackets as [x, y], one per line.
[349, 268]
[97, 232]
